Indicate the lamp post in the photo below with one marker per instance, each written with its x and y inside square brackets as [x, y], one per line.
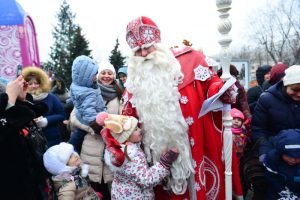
[224, 27]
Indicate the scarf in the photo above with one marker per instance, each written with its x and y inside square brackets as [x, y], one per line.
[108, 92]
[237, 131]
[41, 96]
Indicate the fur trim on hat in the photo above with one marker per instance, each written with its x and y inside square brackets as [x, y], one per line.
[292, 75]
[56, 158]
[41, 76]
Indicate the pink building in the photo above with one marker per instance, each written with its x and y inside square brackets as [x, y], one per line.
[18, 43]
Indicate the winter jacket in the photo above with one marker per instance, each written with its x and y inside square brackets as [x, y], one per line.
[23, 174]
[55, 115]
[274, 111]
[85, 95]
[135, 179]
[73, 187]
[284, 179]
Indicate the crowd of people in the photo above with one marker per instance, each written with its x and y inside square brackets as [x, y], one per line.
[136, 133]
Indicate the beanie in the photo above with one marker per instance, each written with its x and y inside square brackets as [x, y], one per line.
[260, 73]
[56, 158]
[277, 72]
[105, 65]
[288, 142]
[236, 113]
[121, 126]
[292, 75]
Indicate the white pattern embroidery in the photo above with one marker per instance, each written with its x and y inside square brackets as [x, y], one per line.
[184, 100]
[192, 141]
[189, 120]
[286, 194]
[196, 186]
[3, 121]
[194, 163]
[202, 73]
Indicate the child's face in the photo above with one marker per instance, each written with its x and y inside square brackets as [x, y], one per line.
[136, 136]
[74, 160]
[290, 160]
[237, 122]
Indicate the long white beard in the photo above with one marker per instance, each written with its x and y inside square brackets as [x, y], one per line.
[153, 83]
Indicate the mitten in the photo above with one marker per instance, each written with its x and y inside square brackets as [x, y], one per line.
[168, 158]
[96, 127]
[229, 96]
[117, 156]
[41, 122]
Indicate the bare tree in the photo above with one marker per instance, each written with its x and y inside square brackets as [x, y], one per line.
[276, 28]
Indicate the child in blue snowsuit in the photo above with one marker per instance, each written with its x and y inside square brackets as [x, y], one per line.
[283, 166]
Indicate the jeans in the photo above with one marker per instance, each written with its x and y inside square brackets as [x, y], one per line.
[77, 138]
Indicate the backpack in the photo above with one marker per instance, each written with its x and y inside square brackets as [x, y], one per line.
[252, 173]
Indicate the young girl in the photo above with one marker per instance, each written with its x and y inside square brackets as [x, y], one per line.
[133, 178]
[238, 131]
[69, 174]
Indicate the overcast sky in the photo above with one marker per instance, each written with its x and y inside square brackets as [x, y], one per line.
[103, 21]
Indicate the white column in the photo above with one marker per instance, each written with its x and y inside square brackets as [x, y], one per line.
[224, 28]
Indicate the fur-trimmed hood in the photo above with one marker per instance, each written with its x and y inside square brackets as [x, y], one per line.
[45, 84]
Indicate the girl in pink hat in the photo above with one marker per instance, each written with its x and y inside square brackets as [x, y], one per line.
[238, 131]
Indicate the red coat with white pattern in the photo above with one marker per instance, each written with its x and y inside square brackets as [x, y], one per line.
[205, 133]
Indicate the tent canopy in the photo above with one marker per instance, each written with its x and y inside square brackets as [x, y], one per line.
[11, 13]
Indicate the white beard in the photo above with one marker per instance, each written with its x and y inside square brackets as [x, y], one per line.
[153, 82]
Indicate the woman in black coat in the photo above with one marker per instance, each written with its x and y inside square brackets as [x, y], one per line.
[21, 166]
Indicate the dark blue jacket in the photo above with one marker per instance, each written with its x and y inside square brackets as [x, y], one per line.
[279, 174]
[54, 115]
[275, 111]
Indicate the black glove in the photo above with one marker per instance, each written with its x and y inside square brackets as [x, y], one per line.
[168, 158]
[96, 127]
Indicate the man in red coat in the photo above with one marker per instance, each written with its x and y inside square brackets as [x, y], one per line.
[166, 93]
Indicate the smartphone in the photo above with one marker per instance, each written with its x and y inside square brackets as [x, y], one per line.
[19, 70]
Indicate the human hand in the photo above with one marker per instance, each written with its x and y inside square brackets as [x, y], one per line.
[14, 89]
[167, 158]
[41, 122]
[229, 96]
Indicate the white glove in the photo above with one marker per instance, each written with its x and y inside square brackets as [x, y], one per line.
[41, 122]
[84, 170]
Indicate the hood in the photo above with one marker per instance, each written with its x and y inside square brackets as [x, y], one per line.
[288, 142]
[45, 84]
[260, 73]
[83, 71]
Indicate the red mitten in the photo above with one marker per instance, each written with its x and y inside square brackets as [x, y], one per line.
[114, 148]
[229, 96]
[101, 117]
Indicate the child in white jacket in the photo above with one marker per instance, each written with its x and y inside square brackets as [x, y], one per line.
[133, 178]
[69, 174]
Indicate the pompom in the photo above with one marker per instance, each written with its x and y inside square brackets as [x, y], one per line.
[101, 117]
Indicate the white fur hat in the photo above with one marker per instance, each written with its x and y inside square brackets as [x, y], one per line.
[56, 158]
[105, 65]
[292, 75]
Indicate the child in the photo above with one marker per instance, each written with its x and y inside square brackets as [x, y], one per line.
[133, 178]
[68, 173]
[283, 166]
[239, 133]
[86, 97]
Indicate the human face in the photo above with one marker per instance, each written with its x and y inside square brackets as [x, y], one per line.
[33, 85]
[294, 91]
[136, 136]
[122, 77]
[144, 52]
[290, 160]
[74, 160]
[237, 122]
[106, 77]
[267, 76]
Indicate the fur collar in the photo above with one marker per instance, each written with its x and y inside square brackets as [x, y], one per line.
[45, 84]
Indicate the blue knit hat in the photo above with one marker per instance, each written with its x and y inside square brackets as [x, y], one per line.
[288, 142]
[123, 70]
